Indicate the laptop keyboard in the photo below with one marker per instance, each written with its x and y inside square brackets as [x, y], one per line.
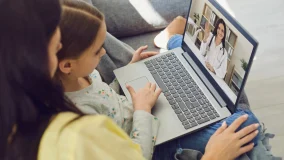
[188, 101]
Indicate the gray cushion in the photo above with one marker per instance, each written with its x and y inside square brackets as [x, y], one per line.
[144, 39]
[133, 17]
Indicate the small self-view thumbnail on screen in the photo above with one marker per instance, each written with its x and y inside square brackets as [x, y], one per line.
[221, 48]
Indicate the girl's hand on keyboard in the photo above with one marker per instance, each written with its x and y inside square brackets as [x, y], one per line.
[138, 55]
[145, 98]
[227, 144]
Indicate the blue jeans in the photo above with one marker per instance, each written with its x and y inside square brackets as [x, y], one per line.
[198, 140]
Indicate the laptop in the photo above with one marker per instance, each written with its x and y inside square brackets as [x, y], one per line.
[193, 96]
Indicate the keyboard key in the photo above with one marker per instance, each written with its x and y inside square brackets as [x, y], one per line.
[181, 117]
[201, 111]
[180, 91]
[201, 101]
[169, 97]
[175, 73]
[178, 111]
[195, 93]
[214, 111]
[182, 106]
[147, 62]
[182, 95]
[165, 80]
[187, 112]
[151, 68]
[167, 93]
[179, 80]
[170, 76]
[171, 87]
[161, 73]
[195, 114]
[164, 77]
[217, 115]
[187, 81]
[172, 102]
[188, 116]
[209, 113]
[173, 80]
[190, 85]
[197, 117]
[206, 119]
[187, 92]
[185, 123]
[193, 99]
[191, 120]
[193, 110]
[159, 59]
[165, 60]
[188, 104]
[157, 67]
[190, 95]
[187, 126]
[182, 84]
[212, 116]
[206, 109]
[175, 95]
[199, 97]
[170, 66]
[193, 124]
[192, 89]
[153, 72]
[195, 104]
[160, 82]
[203, 115]
[185, 99]
[164, 57]
[173, 91]
[182, 74]
[175, 106]
[178, 99]
[199, 108]
[177, 77]
[177, 87]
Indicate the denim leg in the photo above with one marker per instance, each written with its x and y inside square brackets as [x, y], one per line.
[166, 151]
[175, 42]
[198, 140]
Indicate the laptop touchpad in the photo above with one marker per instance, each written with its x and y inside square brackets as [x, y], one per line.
[138, 83]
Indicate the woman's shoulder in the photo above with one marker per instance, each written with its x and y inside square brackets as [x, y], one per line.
[70, 135]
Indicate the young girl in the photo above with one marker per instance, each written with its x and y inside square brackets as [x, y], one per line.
[83, 33]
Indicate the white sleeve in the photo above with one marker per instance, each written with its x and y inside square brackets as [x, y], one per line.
[204, 45]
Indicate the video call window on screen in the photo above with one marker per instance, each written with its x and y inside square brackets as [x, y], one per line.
[221, 48]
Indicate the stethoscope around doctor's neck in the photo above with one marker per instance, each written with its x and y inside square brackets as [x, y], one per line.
[208, 47]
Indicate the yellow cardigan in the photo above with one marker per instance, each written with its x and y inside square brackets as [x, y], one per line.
[88, 138]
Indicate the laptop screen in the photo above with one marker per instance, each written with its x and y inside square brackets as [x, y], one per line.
[221, 48]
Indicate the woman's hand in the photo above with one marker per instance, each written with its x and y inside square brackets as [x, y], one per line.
[145, 98]
[206, 32]
[139, 54]
[225, 144]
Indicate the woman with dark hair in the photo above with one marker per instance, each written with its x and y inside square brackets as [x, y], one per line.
[213, 48]
[38, 122]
